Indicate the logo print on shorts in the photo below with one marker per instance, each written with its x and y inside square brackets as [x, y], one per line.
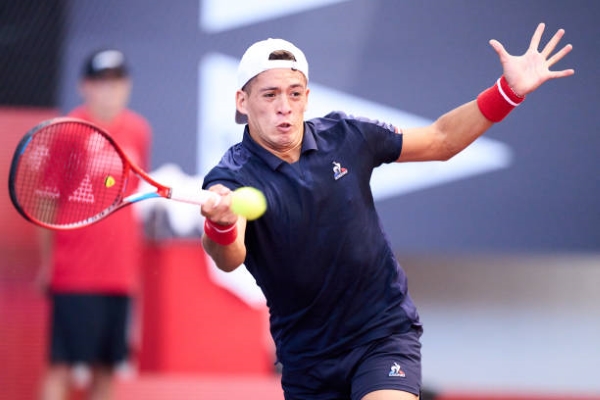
[396, 371]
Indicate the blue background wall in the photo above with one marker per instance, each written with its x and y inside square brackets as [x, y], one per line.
[422, 57]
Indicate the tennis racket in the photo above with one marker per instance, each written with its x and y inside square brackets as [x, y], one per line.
[67, 173]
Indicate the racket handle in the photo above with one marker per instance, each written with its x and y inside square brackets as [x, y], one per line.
[193, 195]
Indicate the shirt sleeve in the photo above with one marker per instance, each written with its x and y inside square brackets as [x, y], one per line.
[383, 139]
[220, 175]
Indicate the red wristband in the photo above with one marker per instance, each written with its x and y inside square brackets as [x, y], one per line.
[498, 101]
[221, 234]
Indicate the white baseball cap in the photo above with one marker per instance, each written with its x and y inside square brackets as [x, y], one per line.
[256, 60]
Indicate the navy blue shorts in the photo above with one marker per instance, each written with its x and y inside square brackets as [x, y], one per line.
[393, 362]
[89, 329]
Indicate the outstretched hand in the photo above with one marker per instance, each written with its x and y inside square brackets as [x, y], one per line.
[527, 72]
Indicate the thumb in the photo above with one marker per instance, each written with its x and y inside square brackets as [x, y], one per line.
[498, 48]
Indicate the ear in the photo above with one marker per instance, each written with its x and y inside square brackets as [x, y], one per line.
[240, 101]
[306, 102]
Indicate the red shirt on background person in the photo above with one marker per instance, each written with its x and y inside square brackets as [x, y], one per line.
[92, 273]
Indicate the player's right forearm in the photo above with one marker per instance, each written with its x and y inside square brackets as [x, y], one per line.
[226, 257]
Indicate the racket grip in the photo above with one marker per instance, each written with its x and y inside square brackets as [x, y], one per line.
[193, 195]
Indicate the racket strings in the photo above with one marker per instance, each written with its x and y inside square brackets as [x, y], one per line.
[69, 174]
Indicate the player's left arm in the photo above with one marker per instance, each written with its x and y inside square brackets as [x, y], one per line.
[457, 129]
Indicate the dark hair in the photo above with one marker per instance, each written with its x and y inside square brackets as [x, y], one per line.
[276, 55]
[282, 55]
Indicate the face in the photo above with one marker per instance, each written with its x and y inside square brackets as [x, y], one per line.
[275, 102]
[106, 97]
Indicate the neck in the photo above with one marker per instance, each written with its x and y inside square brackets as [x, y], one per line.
[290, 155]
[103, 115]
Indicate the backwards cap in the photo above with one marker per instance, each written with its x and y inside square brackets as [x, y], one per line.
[256, 60]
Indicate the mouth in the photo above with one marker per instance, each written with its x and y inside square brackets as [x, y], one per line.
[284, 125]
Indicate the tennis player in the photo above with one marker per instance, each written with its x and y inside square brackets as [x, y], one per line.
[92, 274]
[341, 316]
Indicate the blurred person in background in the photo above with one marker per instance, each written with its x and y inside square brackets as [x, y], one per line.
[92, 274]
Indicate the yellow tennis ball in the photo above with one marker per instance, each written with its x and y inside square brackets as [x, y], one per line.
[248, 202]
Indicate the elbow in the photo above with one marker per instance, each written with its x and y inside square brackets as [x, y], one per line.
[228, 267]
[225, 260]
[226, 264]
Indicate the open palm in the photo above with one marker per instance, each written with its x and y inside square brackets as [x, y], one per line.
[527, 72]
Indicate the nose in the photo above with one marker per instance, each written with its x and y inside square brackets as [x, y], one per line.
[283, 106]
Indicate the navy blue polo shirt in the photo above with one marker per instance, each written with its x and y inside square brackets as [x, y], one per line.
[319, 253]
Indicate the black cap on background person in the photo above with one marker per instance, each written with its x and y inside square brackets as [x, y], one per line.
[108, 63]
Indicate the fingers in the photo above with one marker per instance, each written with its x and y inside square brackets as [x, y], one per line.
[559, 55]
[537, 36]
[218, 209]
[220, 189]
[221, 195]
[551, 45]
[561, 74]
[498, 48]
[528, 71]
[214, 199]
[549, 48]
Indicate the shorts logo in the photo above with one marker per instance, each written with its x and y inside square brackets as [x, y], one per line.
[338, 170]
[395, 370]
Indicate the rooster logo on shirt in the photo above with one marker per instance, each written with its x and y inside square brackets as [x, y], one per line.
[338, 170]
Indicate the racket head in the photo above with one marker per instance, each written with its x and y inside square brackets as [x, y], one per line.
[67, 173]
